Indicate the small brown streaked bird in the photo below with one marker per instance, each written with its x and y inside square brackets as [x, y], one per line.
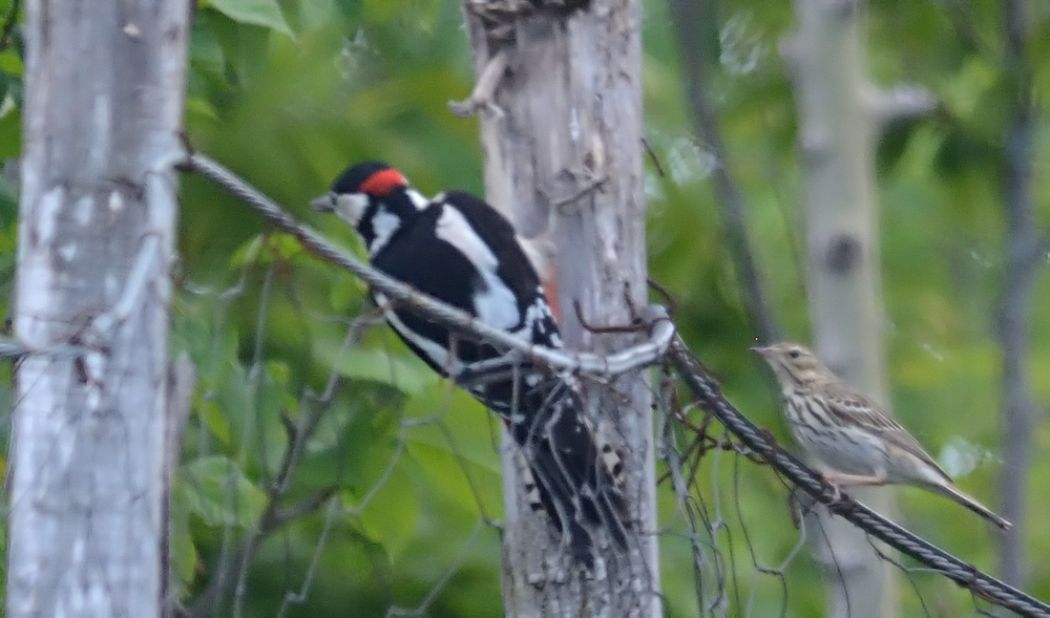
[850, 434]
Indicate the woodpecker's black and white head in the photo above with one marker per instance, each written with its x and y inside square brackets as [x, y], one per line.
[375, 199]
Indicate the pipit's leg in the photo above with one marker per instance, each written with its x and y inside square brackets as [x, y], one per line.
[838, 480]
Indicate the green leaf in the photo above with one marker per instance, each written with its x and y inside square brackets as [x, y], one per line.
[316, 13]
[210, 413]
[10, 134]
[391, 517]
[233, 396]
[8, 202]
[265, 248]
[264, 13]
[10, 62]
[284, 246]
[212, 347]
[438, 398]
[454, 438]
[467, 484]
[215, 489]
[346, 293]
[403, 372]
[248, 253]
[245, 48]
[200, 106]
[272, 397]
[184, 555]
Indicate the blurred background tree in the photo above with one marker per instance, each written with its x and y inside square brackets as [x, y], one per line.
[396, 475]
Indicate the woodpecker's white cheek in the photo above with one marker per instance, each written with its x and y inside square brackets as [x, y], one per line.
[351, 207]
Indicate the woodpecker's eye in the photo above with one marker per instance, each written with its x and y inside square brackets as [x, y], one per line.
[794, 353]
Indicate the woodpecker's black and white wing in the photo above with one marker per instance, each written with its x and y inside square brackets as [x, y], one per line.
[463, 252]
[489, 240]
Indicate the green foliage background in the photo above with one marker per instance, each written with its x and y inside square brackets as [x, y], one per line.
[287, 93]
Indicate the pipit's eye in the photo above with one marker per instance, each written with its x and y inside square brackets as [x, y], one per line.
[794, 353]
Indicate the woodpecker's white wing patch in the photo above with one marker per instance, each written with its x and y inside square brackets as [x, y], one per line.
[494, 302]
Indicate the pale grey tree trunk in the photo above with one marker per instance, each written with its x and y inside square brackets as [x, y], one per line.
[837, 132]
[560, 95]
[103, 112]
[1024, 258]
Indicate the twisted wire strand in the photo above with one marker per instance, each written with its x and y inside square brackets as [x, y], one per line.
[704, 386]
[708, 392]
[634, 357]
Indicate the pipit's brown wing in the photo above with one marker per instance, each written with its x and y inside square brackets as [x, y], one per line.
[853, 408]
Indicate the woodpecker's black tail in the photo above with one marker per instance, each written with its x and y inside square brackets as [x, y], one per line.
[577, 478]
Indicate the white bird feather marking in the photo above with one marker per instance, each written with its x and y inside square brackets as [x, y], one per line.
[438, 354]
[495, 304]
[384, 224]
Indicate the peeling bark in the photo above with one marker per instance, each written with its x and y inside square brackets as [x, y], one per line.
[561, 133]
[103, 112]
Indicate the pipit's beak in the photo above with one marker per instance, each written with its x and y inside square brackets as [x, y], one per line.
[324, 203]
[759, 349]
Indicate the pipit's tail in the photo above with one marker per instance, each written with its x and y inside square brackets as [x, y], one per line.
[953, 492]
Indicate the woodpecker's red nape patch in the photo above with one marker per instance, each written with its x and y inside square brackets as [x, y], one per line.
[550, 290]
[383, 182]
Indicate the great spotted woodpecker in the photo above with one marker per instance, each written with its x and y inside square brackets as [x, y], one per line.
[460, 250]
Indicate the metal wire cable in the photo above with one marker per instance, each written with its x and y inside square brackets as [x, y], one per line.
[640, 355]
[699, 380]
[708, 392]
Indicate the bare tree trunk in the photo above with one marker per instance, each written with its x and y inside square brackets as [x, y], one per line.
[561, 86]
[102, 118]
[837, 131]
[1023, 258]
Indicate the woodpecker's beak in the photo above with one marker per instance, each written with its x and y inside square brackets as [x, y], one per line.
[324, 203]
